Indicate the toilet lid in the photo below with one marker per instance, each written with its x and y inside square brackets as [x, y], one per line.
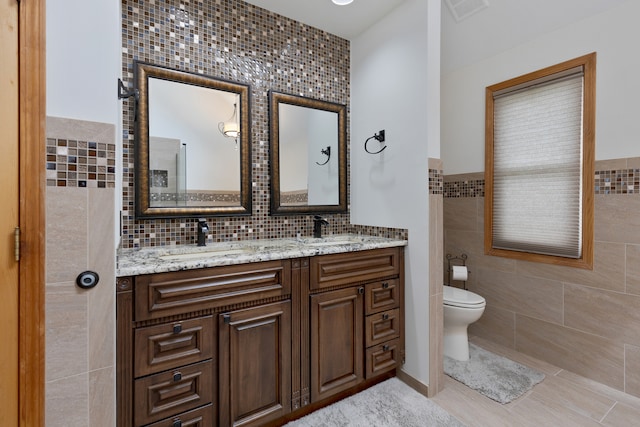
[461, 298]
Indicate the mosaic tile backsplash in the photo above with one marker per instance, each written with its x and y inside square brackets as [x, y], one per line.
[620, 181]
[72, 163]
[232, 40]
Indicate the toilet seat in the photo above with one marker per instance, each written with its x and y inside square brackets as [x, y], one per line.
[462, 298]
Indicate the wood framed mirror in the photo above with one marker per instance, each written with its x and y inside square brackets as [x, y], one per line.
[308, 155]
[185, 164]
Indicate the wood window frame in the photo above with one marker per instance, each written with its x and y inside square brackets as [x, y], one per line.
[588, 62]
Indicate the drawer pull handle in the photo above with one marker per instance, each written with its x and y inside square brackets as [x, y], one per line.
[361, 290]
[385, 347]
[226, 318]
[385, 316]
[177, 423]
[385, 285]
[177, 328]
[177, 376]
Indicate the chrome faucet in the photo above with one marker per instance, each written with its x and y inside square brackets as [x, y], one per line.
[318, 222]
[203, 229]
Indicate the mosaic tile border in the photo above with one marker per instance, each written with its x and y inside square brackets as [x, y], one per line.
[72, 163]
[619, 181]
[466, 188]
[436, 181]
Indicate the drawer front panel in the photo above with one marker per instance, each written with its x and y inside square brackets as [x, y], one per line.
[382, 358]
[170, 345]
[382, 327]
[381, 296]
[166, 294]
[352, 267]
[201, 417]
[163, 395]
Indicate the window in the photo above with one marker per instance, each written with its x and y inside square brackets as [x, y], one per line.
[539, 155]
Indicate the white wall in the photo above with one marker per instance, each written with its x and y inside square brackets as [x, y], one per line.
[612, 34]
[83, 59]
[394, 86]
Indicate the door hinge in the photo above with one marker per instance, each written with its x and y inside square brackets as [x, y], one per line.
[16, 243]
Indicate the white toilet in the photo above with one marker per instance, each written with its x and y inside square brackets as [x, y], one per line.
[461, 308]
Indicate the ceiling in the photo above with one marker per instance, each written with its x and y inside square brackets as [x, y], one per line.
[508, 23]
[501, 26]
[344, 21]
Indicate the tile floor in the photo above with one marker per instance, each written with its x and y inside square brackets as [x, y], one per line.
[562, 399]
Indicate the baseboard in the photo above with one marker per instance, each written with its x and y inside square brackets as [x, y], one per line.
[415, 384]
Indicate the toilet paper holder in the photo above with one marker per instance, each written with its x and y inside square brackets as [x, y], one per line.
[463, 262]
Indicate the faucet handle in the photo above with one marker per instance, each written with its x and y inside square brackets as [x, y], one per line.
[203, 229]
[202, 223]
[318, 222]
[321, 220]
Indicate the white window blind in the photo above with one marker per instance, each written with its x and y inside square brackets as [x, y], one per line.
[537, 180]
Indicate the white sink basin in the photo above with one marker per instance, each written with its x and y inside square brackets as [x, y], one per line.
[204, 254]
[330, 243]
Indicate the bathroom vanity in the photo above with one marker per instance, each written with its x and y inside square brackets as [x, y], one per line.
[255, 333]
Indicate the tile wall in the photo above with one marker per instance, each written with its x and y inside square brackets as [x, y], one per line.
[80, 324]
[436, 372]
[585, 321]
[236, 41]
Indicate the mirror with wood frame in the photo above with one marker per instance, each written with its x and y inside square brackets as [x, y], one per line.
[308, 155]
[192, 145]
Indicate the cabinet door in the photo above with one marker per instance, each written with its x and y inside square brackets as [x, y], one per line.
[255, 364]
[336, 341]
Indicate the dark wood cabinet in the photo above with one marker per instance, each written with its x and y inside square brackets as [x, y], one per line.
[336, 341]
[208, 347]
[356, 319]
[255, 364]
[256, 344]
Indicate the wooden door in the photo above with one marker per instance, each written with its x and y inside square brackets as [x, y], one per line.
[22, 165]
[9, 123]
[254, 357]
[336, 341]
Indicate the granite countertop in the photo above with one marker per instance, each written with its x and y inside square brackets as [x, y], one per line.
[133, 262]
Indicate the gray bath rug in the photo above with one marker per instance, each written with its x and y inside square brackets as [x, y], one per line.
[496, 377]
[391, 403]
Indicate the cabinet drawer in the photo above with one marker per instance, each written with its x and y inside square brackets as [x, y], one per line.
[382, 327]
[353, 267]
[163, 395]
[382, 295]
[201, 417]
[170, 345]
[382, 358]
[166, 294]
